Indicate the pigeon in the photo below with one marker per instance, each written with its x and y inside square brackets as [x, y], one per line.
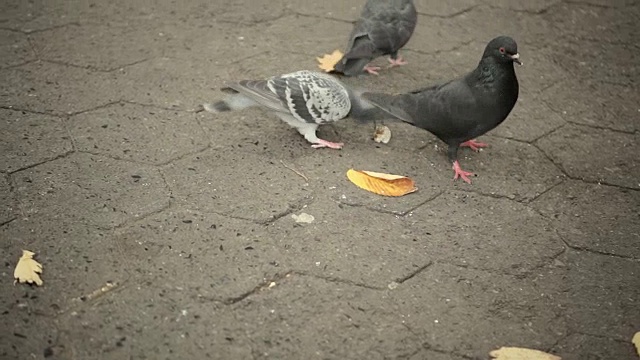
[303, 99]
[383, 28]
[462, 109]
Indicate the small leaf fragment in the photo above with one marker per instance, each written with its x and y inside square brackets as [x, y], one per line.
[636, 341]
[381, 183]
[303, 218]
[515, 353]
[328, 61]
[382, 134]
[27, 269]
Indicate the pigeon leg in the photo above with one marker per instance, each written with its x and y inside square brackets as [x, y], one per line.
[398, 61]
[474, 145]
[320, 143]
[459, 173]
[452, 153]
[308, 130]
[372, 69]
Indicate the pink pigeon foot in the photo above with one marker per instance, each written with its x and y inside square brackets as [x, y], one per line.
[372, 69]
[399, 61]
[474, 145]
[324, 143]
[459, 173]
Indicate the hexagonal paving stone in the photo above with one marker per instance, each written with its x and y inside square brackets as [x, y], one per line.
[431, 30]
[483, 237]
[214, 180]
[148, 320]
[531, 7]
[311, 37]
[38, 16]
[7, 209]
[507, 168]
[442, 9]
[139, 133]
[257, 131]
[608, 63]
[615, 109]
[471, 312]
[15, 48]
[77, 260]
[487, 21]
[263, 66]
[349, 322]
[104, 47]
[594, 217]
[612, 155]
[597, 294]
[350, 243]
[345, 11]
[580, 346]
[31, 139]
[326, 172]
[210, 255]
[249, 12]
[614, 25]
[173, 83]
[26, 334]
[112, 46]
[529, 120]
[540, 70]
[434, 355]
[52, 88]
[91, 189]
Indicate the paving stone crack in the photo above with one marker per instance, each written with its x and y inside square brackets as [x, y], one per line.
[450, 16]
[30, 166]
[337, 280]
[419, 270]
[599, 127]
[263, 285]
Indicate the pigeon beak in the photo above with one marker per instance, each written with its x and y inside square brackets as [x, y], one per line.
[516, 58]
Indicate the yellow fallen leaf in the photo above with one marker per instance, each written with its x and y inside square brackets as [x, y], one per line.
[381, 183]
[329, 61]
[514, 353]
[27, 269]
[636, 342]
[382, 134]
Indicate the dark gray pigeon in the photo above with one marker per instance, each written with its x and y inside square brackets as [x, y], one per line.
[464, 108]
[303, 99]
[383, 28]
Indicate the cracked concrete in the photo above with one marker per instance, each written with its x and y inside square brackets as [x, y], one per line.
[167, 232]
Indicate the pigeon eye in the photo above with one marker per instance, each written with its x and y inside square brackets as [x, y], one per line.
[501, 50]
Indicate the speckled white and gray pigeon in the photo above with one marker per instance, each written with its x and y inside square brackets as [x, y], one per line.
[383, 28]
[303, 99]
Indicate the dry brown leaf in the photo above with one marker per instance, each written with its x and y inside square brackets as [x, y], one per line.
[328, 61]
[381, 183]
[515, 353]
[382, 134]
[636, 341]
[27, 269]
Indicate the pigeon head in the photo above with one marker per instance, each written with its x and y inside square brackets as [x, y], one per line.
[503, 49]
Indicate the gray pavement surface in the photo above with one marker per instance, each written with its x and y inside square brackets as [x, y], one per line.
[114, 178]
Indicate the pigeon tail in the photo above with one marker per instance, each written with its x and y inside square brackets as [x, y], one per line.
[351, 67]
[232, 102]
[364, 111]
[390, 104]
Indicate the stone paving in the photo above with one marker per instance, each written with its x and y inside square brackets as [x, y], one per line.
[113, 176]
